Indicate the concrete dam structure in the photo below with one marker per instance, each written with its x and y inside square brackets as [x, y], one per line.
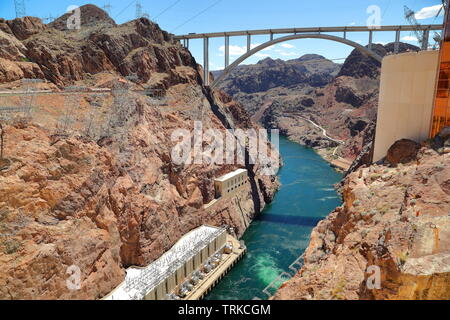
[191, 262]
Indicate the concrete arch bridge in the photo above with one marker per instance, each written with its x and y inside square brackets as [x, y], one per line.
[299, 33]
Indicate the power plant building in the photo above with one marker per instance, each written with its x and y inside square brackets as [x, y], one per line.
[231, 183]
[173, 269]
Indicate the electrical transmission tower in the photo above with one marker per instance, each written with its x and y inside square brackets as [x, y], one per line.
[107, 8]
[48, 19]
[20, 8]
[138, 9]
[422, 38]
[438, 36]
[140, 12]
[411, 17]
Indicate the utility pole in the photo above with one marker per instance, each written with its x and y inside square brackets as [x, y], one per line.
[20, 8]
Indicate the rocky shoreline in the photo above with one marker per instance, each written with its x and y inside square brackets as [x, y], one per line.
[394, 223]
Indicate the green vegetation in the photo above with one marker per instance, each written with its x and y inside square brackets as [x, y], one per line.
[337, 292]
[11, 246]
[402, 257]
[3, 214]
[375, 176]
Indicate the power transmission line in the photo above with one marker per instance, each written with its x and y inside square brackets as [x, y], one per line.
[124, 9]
[198, 14]
[386, 9]
[138, 9]
[166, 9]
[20, 8]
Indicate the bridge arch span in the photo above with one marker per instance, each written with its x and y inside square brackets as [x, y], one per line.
[251, 52]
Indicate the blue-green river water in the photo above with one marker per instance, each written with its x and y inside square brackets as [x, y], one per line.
[281, 233]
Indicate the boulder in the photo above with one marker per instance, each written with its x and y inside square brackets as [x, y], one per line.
[402, 151]
[445, 133]
[25, 27]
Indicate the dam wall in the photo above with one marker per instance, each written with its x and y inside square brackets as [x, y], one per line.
[406, 99]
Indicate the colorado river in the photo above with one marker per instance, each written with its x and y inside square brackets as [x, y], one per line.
[281, 233]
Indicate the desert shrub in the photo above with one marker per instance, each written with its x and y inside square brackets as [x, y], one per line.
[11, 246]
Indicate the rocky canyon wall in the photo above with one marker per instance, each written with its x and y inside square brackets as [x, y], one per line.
[105, 194]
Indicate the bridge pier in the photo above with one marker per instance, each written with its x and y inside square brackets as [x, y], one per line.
[370, 39]
[206, 61]
[227, 51]
[249, 42]
[426, 36]
[397, 41]
[186, 43]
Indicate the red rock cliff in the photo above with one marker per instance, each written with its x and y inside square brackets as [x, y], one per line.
[105, 194]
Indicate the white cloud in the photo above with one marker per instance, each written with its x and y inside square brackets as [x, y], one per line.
[268, 48]
[234, 50]
[285, 53]
[288, 54]
[428, 12]
[238, 50]
[409, 38]
[352, 23]
[287, 45]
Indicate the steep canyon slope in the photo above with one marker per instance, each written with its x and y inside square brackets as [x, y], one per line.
[89, 181]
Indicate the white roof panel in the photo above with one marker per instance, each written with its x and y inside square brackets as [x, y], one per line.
[231, 175]
[140, 281]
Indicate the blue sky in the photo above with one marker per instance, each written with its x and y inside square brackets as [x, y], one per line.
[185, 16]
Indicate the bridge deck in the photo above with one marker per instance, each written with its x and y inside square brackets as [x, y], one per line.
[297, 33]
[308, 30]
